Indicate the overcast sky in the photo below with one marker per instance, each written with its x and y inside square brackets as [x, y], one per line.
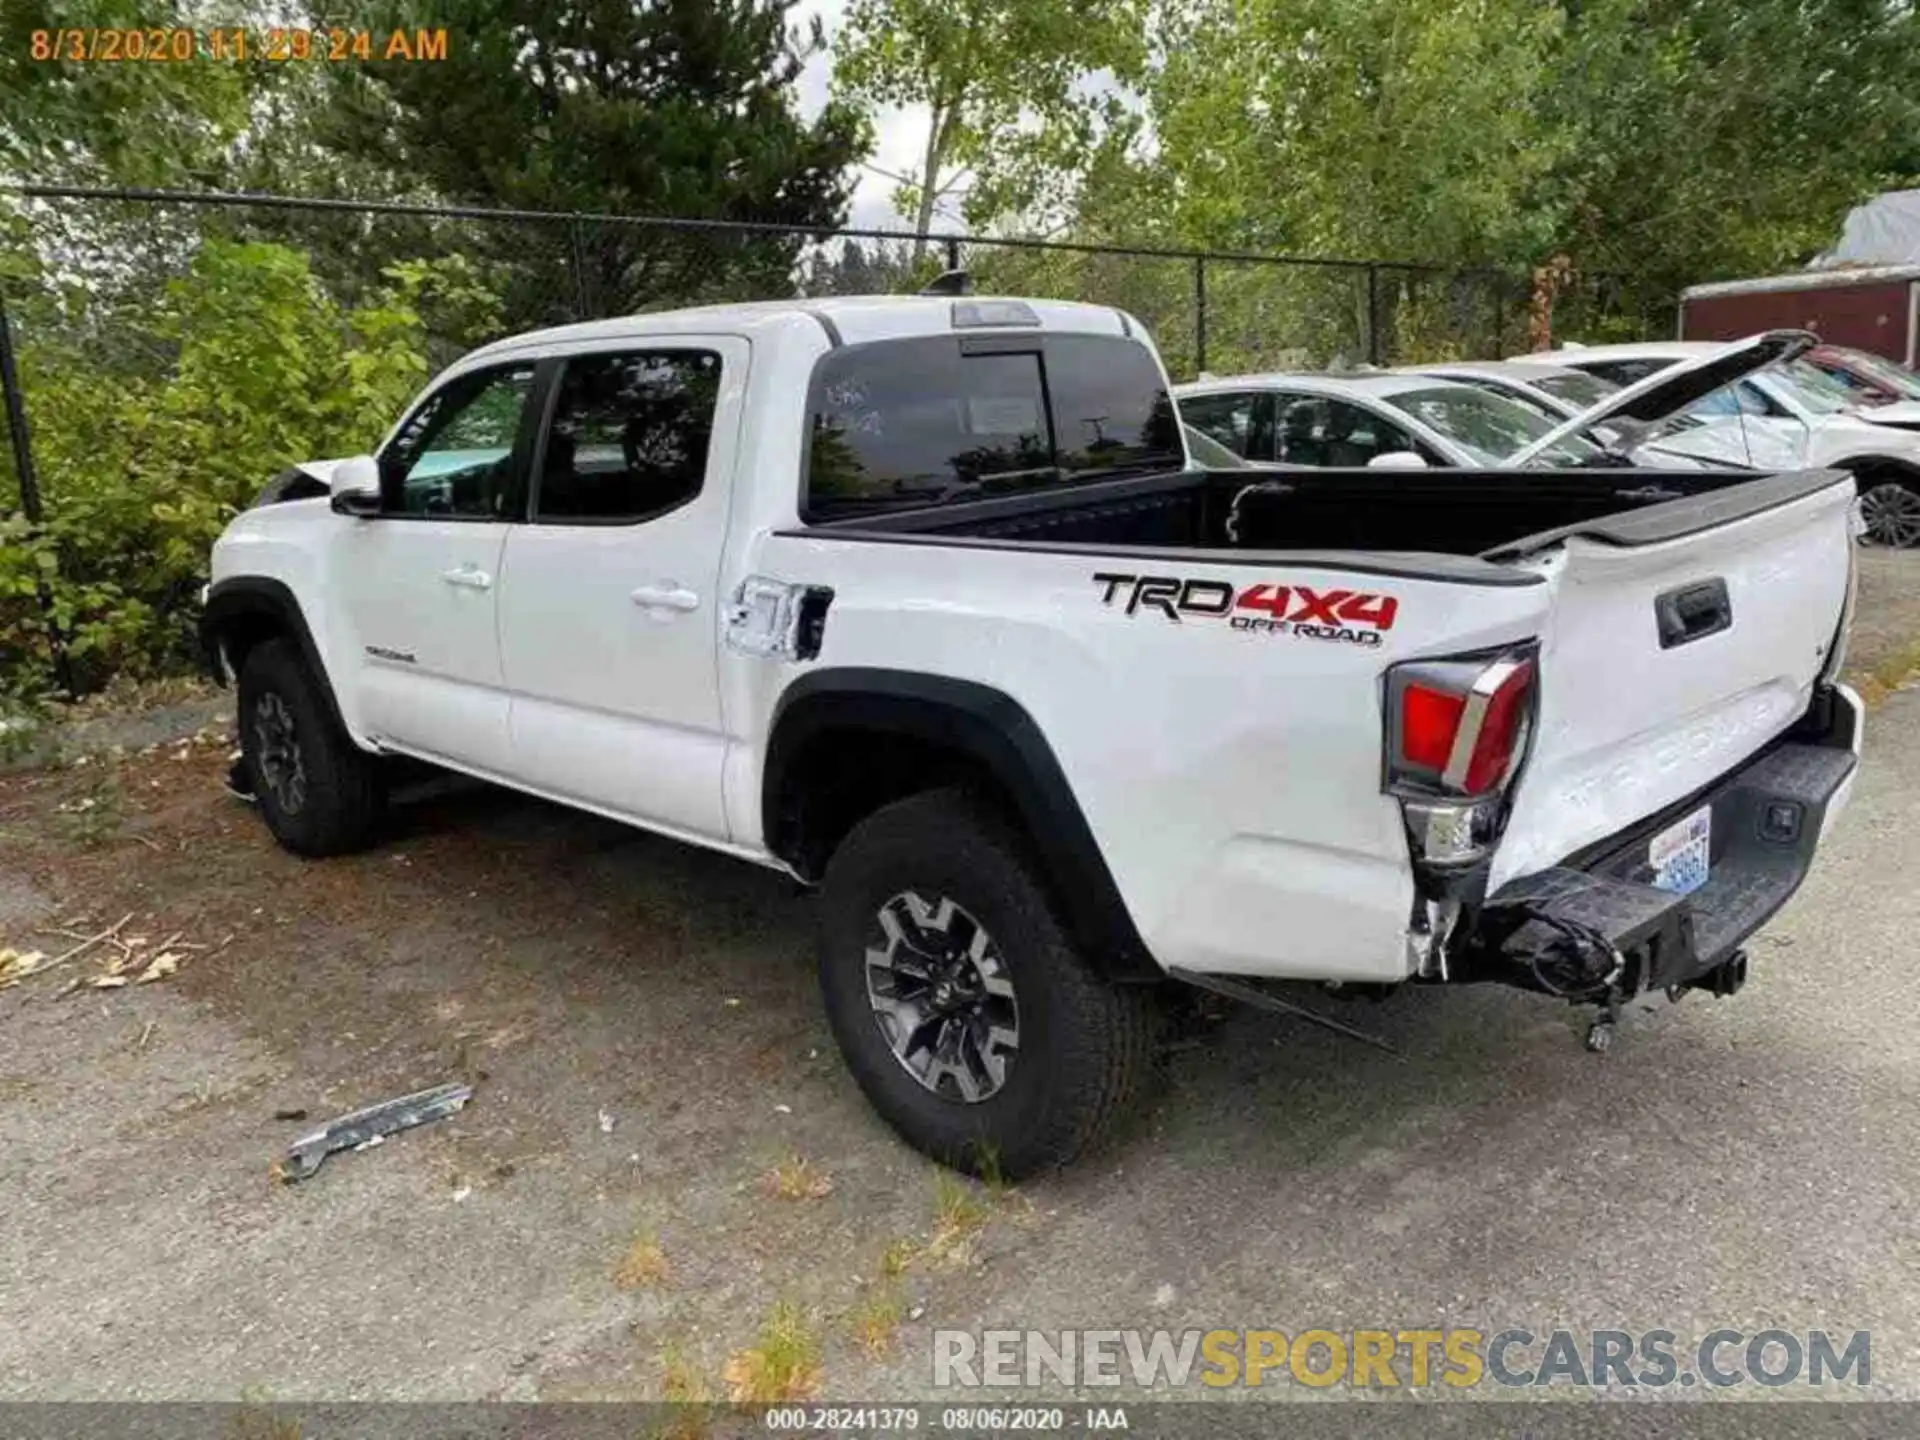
[898, 134]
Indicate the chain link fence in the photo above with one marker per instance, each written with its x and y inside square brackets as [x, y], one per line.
[170, 352]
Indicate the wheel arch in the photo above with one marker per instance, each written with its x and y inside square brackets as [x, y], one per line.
[844, 741]
[246, 610]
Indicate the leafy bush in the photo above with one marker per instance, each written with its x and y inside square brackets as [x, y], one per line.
[154, 421]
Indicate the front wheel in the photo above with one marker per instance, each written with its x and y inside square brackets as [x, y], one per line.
[319, 793]
[1890, 513]
[965, 1013]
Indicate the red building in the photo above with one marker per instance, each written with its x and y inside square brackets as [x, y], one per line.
[1870, 307]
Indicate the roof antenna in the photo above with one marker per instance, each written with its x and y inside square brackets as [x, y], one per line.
[950, 282]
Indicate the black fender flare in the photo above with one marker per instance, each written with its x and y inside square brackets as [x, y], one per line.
[1895, 467]
[245, 601]
[995, 731]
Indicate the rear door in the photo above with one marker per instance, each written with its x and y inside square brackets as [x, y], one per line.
[1664, 664]
[609, 607]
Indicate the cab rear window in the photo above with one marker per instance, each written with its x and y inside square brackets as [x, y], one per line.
[901, 424]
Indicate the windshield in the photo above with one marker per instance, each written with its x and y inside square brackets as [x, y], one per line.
[1816, 390]
[1575, 388]
[1530, 403]
[1897, 378]
[1488, 427]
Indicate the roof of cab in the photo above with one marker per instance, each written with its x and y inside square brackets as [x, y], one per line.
[848, 319]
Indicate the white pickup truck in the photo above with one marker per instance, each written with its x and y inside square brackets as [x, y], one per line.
[919, 600]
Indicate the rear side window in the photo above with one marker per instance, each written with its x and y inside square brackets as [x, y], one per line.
[629, 436]
[1227, 418]
[900, 424]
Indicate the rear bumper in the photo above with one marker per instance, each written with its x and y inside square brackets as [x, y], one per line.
[1768, 817]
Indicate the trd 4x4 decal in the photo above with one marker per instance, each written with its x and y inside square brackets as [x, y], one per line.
[1355, 617]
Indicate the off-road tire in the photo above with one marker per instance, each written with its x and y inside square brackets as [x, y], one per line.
[338, 805]
[1085, 1044]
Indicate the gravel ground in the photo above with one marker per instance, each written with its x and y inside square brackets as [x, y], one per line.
[640, 1025]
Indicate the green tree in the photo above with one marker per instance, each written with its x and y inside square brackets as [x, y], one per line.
[1377, 128]
[99, 122]
[1015, 90]
[240, 366]
[1717, 140]
[679, 108]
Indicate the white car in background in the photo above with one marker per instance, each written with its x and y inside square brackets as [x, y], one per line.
[1353, 421]
[1792, 413]
[1415, 420]
[1553, 392]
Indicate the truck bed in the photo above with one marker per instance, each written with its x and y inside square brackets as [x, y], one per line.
[1486, 515]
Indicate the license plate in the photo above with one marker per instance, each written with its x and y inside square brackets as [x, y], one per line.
[1681, 854]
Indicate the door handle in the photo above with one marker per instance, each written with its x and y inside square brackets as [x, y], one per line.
[666, 597]
[468, 577]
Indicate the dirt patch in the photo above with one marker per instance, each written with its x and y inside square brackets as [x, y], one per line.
[638, 1019]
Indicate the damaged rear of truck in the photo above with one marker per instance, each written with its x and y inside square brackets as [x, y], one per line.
[1577, 731]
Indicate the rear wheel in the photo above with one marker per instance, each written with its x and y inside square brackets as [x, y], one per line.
[319, 793]
[965, 1013]
[1890, 510]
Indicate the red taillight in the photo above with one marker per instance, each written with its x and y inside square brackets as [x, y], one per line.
[1458, 725]
[1429, 719]
[1501, 727]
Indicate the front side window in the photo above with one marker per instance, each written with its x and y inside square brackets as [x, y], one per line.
[1318, 430]
[1356, 436]
[629, 436]
[455, 456]
[906, 423]
[1299, 430]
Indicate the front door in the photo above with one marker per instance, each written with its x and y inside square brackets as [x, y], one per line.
[419, 583]
[609, 606]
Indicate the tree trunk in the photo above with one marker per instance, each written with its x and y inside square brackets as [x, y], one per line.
[929, 179]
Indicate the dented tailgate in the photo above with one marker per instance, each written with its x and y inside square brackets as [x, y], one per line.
[1681, 639]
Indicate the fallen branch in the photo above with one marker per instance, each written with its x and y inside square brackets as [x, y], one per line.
[85, 945]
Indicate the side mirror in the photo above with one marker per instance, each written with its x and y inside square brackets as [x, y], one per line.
[356, 487]
[1397, 460]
